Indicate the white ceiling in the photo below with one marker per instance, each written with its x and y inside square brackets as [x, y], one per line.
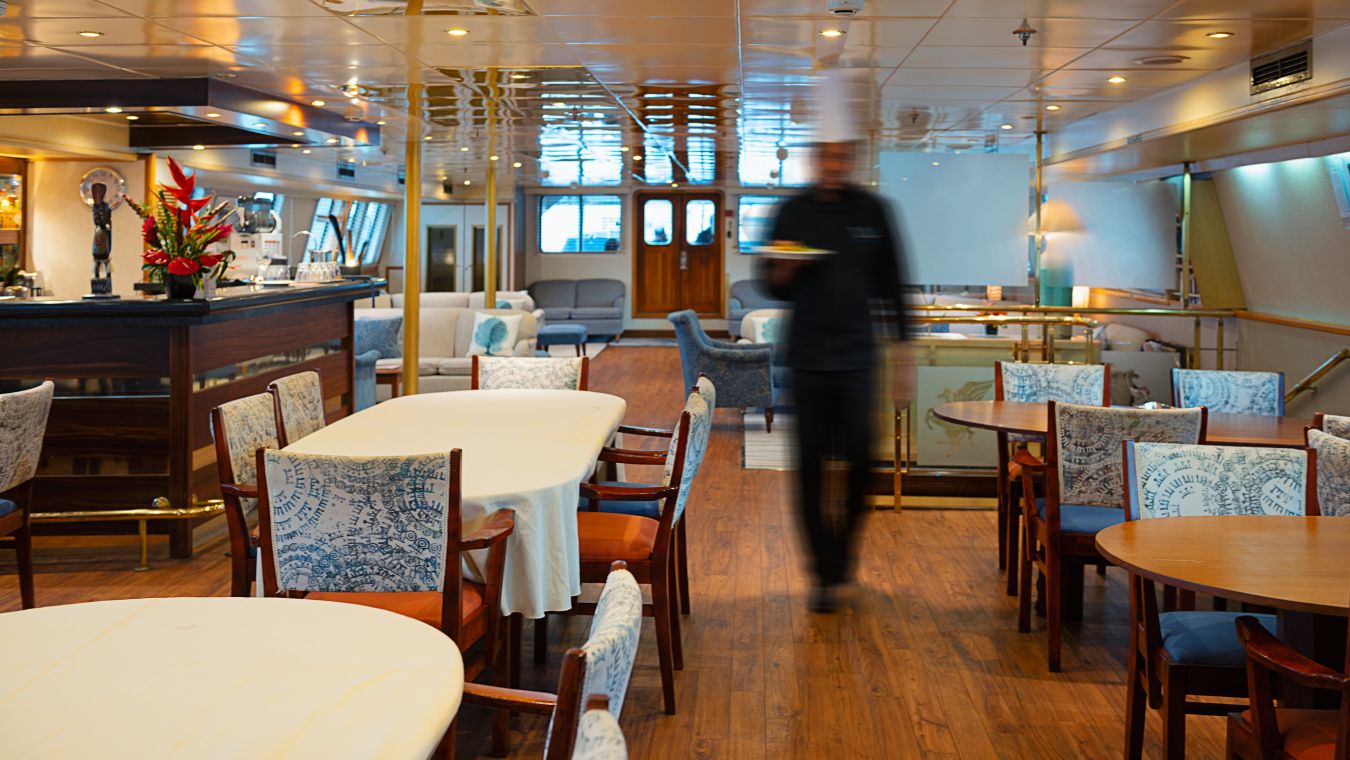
[940, 74]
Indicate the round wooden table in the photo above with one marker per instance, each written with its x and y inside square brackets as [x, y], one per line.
[224, 677]
[1029, 418]
[1291, 563]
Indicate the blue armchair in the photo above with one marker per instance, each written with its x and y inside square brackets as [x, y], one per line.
[743, 373]
[363, 382]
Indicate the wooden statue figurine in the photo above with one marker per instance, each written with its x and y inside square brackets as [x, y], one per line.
[101, 284]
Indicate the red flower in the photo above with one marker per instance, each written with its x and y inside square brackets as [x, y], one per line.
[148, 231]
[155, 257]
[208, 260]
[183, 265]
[217, 232]
[185, 182]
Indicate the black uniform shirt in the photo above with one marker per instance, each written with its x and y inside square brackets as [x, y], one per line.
[832, 319]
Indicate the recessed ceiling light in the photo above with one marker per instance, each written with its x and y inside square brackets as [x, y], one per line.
[517, 165]
[832, 33]
[935, 163]
[623, 148]
[113, 109]
[464, 149]
[298, 133]
[259, 125]
[1005, 126]
[332, 141]
[518, 76]
[428, 137]
[381, 123]
[1161, 60]
[674, 184]
[306, 151]
[199, 147]
[492, 158]
[457, 32]
[213, 115]
[1117, 79]
[637, 158]
[1219, 35]
[467, 182]
[132, 117]
[318, 103]
[1052, 107]
[91, 34]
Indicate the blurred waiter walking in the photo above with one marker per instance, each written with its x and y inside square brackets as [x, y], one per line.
[832, 346]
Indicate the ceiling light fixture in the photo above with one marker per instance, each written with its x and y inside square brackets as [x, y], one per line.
[199, 147]
[467, 182]
[457, 32]
[91, 34]
[623, 149]
[113, 109]
[464, 149]
[517, 165]
[298, 133]
[318, 103]
[1052, 107]
[492, 158]
[306, 151]
[518, 76]
[1005, 126]
[1117, 79]
[936, 163]
[381, 122]
[259, 125]
[1024, 32]
[637, 158]
[428, 137]
[832, 33]
[332, 141]
[213, 115]
[1161, 60]
[1219, 35]
[132, 117]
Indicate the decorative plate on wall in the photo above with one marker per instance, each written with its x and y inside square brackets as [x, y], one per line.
[113, 181]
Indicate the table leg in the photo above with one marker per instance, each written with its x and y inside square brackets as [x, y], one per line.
[516, 634]
[1321, 637]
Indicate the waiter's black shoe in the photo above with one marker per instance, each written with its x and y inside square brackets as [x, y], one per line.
[823, 600]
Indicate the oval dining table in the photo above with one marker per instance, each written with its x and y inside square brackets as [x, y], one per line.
[224, 677]
[525, 450]
[1029, 418]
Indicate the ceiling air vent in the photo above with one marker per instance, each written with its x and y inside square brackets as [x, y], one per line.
[1282, 68]
[264, 158]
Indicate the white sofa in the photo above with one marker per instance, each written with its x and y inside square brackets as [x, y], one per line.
[518, 300]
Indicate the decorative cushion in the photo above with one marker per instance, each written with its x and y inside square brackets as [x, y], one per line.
[599, 738]
[1175, 480]
[1071, 383]
[496, 373]
[1084, 518]
[1206, 638]
[1336, 425]
[1333, 472]
[650, 509]
[1230, 392]
[379, 330]
[1088, 439]
[7, 506]
[23, 423]
[301, 399]
[418, 605]
[1304, 734]
[768, 330]
[605, 537]
[494, 334]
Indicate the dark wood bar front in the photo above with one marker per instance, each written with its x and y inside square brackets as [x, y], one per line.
[136, 380]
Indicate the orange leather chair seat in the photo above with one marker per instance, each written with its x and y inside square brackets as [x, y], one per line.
[1305, 734]
[606, 536]
[418, 605]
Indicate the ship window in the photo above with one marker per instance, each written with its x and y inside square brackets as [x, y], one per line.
[754, 219]
[580, 223]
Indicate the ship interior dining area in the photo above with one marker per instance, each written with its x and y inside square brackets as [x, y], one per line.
[715, 379]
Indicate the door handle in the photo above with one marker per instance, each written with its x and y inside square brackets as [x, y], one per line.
[684, 260]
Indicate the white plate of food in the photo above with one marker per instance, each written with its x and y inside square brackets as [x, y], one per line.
[791, 252]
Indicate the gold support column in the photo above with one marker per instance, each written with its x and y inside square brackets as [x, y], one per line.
[1040, 198]
[1218, 357]
[490, 275]
[412, 233]
[1184, 286]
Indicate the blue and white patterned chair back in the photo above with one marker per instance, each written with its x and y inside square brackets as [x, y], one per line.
[599, 737]
[1174, 480]
[23, 424]
[299, 404]
[611, 646]
[1069, 383]
[250, 423]
[497, 373]
[1336, 425]
[1229, 392]
[707, 390]
[1333, 472]
[358, 523]
[700, 428]
[1087, 446]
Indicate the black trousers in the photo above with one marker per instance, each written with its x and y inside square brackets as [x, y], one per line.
[834, 421]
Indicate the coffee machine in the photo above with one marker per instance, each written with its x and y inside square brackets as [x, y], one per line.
[258, 239]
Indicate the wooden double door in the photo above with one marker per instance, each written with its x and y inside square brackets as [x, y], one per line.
[678, 254]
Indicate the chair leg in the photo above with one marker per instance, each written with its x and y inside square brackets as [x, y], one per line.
[1174, 714]
[515, 631]
[1002, 489]
[541, 640]
[23, 550]
[501, 675]
[446, 749]
[1054, 602]
[768, 419]
[682, 557]
[1025, 571]
[676, 636]
[1072, 572]
[1136, 708]
[1011, 533]
[661, 607]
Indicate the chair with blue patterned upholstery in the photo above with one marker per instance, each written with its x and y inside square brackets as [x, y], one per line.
[239, 429]
[23, 425]
[1332, 424]
[1331, 480]
[602, 666]
[504, 372]
[298, 403]
[1087, 384]
[384, 532]
[1084, 493]
[1229, 392]
[599, 736]
[1177, 654]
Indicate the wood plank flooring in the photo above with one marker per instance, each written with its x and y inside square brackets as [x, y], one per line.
[924, 661]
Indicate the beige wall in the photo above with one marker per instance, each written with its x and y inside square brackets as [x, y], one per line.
[63, 227]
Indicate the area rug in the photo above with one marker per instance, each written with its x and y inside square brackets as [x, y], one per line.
[643, 342]
[764, 450]
[569, 352]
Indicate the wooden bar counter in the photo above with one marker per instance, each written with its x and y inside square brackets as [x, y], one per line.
[136, 379]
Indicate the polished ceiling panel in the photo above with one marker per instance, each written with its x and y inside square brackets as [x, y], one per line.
[65, 32]
[875, 8]
[482, 56]
[1254, 37]
[966, 77]
[645, 31]
[59, 9]
[219, 8]
[1052, 33]
[925, 56]
[1260, 9]
[260, 31]
[680, 9]
[405, 31]
[1117, 9]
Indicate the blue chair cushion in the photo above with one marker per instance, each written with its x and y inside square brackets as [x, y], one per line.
[1206, 638]
[252, 552]
[7, 506]
[1080, 518]
[650, 509]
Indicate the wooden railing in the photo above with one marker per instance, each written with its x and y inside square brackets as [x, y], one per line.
[1309, 383]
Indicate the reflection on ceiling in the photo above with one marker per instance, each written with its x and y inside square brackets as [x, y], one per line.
[594, 92]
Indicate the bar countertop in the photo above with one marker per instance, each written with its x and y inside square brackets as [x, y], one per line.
[227, 304]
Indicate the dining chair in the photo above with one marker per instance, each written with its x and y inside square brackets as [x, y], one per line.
[1229, 391]
[239, 429]
[297, 401]
[1084, 493]
[23, 425]
[600, 667]
[599, 736]
[499, 372]
[1087, 384]
[1266, 732]
[384, 532]
[1333, 424]
[1331, 479]
[1178, 654]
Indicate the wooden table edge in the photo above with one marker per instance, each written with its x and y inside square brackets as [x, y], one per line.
[981, 425]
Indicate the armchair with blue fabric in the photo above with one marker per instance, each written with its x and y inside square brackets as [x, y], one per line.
[376, 336]
[743, 373]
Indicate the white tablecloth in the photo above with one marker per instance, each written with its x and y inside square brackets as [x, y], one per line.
[526, 450]
[223, 678]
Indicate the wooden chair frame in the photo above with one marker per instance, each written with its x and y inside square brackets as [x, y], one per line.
[583, 379]
[243, 572]
[487, 627]
[1009, 490]
[16, 532]
[275, 393]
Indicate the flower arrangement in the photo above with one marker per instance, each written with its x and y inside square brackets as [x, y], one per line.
[178, 230]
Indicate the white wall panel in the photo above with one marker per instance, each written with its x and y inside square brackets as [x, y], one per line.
[1128, 235]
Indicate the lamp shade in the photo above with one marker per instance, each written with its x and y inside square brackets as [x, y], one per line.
[1058, 216]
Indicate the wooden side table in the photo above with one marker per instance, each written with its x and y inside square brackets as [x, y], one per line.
[390, 376]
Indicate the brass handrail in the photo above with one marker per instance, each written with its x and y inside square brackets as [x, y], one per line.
[1028, 309]
[160, 510]
[1309, 383]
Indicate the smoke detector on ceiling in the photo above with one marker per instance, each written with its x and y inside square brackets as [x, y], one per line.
[1161, 60]
[844, 7]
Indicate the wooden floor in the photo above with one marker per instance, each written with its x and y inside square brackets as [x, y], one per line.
[925, 661]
